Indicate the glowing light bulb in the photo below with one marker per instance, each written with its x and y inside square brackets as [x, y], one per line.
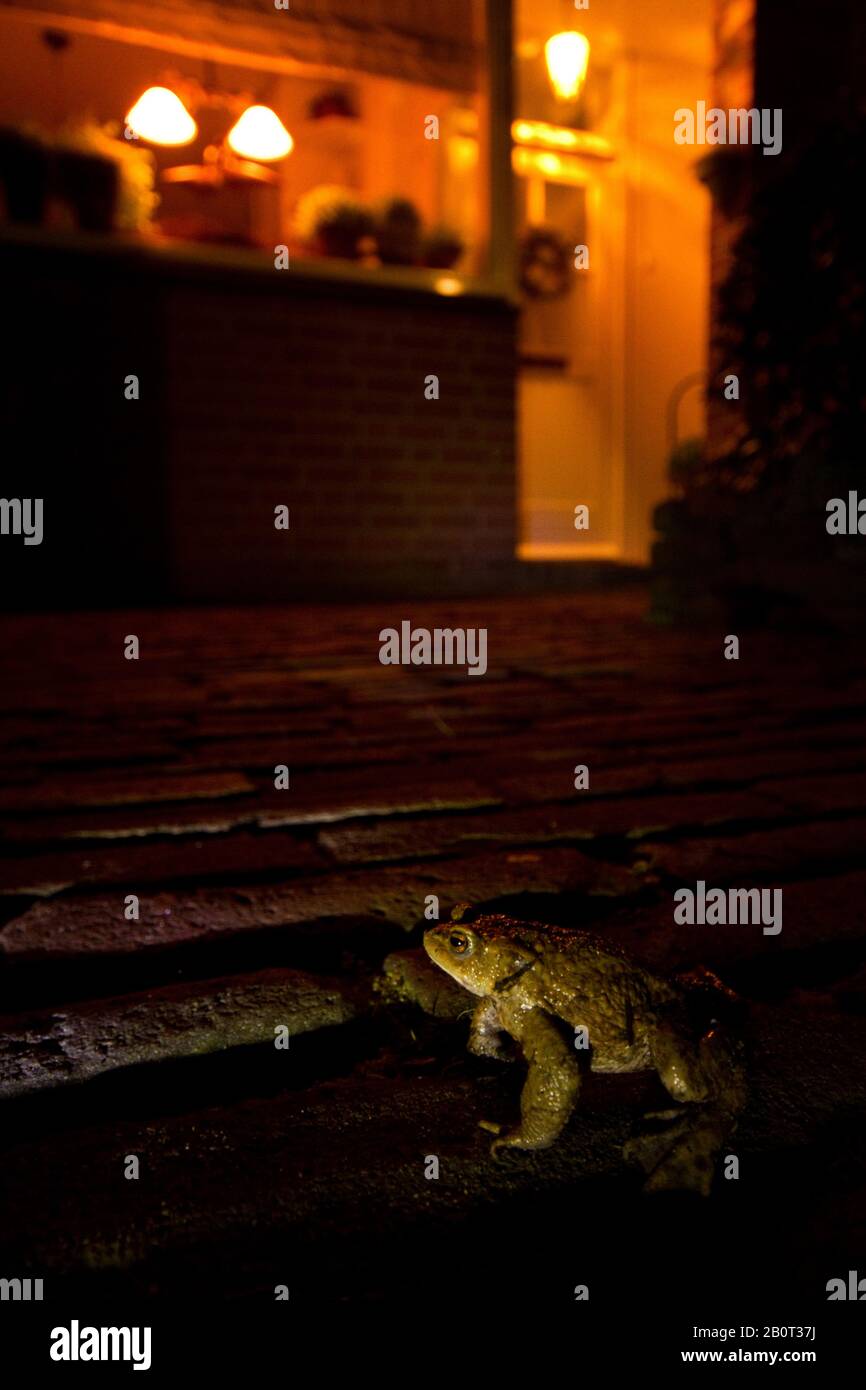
[161, 117]
[567, 61]
[448, 285]
[260, 134]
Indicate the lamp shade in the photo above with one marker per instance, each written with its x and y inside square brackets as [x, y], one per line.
[160, 116]
[260, 134]
[567, 57]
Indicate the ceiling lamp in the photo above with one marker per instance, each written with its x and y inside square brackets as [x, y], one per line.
[260, 134]
[161, 117]
[567, 61]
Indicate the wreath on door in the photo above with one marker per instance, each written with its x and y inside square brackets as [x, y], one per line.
[544, 263]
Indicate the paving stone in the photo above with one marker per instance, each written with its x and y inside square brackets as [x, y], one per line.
[138, 788]
[94, 923]
[200, 818]
[760, 854]
[138, 865]
[821, 914]
[585, 818]
[551, 777]
[83, 1041]
[353, 1150]
[318, 801]
[406, 783]
[759, 763]
[31, 751]
[828, 794]
[425, 793]
[410, 977]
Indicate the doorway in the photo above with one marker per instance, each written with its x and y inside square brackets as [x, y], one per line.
[570, 354]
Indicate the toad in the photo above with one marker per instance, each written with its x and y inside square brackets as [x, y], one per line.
[565, 997]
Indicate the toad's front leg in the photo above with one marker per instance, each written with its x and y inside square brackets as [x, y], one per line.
[485, 1032]
[550, 1090]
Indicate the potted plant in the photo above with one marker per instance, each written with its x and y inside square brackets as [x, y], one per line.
[333, 221]
[107, 181]
[86, 180]
[685, 463]
[398, 232]
[441, 248]
[137, 199]
[23, 174]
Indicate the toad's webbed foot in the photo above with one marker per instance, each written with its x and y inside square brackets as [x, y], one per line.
[521, 1138]
[682, 1156]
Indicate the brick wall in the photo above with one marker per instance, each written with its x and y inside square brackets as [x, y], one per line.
[318, 403]
[257, 389]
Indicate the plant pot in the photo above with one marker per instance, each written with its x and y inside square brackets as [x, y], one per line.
[88, 183]
[441, 249]
[23, 176]
[398, 246]
[339, 241]
[398, 233]
[443, 255]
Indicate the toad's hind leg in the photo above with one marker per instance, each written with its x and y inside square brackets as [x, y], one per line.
[703, 1071]
[550, 1090]
[708, 1077]
[677, 1060]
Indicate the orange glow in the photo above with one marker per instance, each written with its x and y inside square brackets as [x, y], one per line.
[561, 168]
[260, 134]
[567, 61]
[558, 137]
[161, 117]
[463, 152]
[448, 284]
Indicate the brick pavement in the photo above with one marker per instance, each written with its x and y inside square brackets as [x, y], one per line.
[156, 778]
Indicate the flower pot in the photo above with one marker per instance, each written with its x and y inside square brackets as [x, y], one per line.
[442, 252]
[88, 183]
[23, 176]
[398, 245]
[338, 241]
[398, 232]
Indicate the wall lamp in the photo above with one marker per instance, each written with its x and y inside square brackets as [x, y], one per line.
[567, 58]
[160, 117]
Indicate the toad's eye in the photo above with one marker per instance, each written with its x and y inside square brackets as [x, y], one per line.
[460, 943]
